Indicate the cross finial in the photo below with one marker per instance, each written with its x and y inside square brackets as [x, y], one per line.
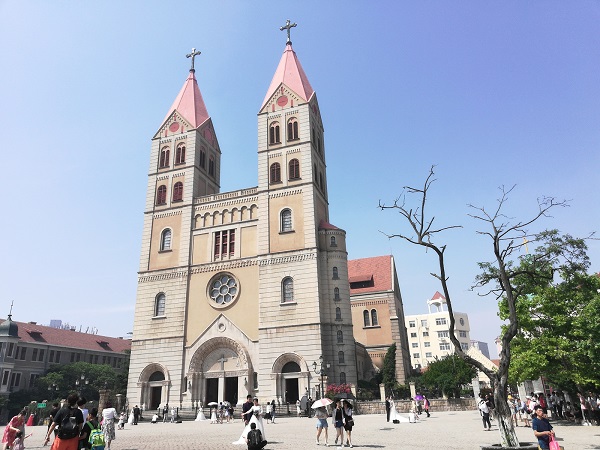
[193, 55]
[10, 312]
[288, 26]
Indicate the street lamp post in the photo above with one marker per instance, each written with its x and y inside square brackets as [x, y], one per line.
[81, 381]
[322, 366]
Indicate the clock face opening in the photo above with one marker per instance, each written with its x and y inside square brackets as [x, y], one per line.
[282, 101]
[174, 127]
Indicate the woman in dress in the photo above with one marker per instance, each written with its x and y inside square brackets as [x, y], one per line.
[16, 424]
[257, 417]
[348, 422]
[338, 422]
[213, 415]
[200, 417]
[272, 411]
[393, 413]
[109, 414]
[298, 411]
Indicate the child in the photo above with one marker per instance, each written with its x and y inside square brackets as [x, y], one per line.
[121, 424]
[18, 443]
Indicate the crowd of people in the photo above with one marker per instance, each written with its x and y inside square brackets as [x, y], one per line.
[74, 427]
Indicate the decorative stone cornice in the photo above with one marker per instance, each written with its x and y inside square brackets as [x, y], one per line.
[210, 208]
[294, 150]
[225, 196]
[287, 259]
[162, 177]
[275, 155]
[167, 214]
[162, 276]
[285, 193]
[223, 266]
[180, 174]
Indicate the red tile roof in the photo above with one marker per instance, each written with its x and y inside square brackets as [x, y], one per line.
[41, 334]
[326, 226]
[378, 267]
[438, 296]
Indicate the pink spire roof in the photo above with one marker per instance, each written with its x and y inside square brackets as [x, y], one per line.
[290, 73]
[189, 103]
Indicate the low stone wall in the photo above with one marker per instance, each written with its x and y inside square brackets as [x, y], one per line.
[403, 406]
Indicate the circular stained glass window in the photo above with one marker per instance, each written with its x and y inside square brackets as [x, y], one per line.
[223, 289]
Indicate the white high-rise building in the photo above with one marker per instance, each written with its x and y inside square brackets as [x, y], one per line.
[429, 335]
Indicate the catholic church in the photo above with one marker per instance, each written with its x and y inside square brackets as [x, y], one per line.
[242, 291]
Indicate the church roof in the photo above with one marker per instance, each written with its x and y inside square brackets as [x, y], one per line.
[290, 73]
[9, 328]
[323, 225]
[189, 103]
[41, 334]
[377, 268]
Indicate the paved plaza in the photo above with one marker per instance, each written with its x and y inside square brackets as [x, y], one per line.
[443, 431]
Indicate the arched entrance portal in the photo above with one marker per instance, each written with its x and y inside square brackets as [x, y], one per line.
[291, 373]
[292, 377]
[154, 384]
[220, 371]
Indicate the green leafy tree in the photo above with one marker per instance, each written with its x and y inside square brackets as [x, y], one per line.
[501, 276]
[558, 322]
[389, 369]
[448, 375]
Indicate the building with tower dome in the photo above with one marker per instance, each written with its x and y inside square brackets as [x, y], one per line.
[241, 292]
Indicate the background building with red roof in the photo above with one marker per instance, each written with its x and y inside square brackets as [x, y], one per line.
[27, 350]
[377, 315]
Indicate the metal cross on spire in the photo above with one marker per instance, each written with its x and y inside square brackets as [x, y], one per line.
[288, 26]
[193, 55]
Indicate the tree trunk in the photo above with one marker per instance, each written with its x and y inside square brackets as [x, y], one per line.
[508, 435]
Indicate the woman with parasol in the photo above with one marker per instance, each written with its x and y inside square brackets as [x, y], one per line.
[320, 407]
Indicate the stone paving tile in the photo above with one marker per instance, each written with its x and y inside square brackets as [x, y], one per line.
[461, 430]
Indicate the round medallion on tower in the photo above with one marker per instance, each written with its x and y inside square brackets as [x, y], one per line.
[174, 127]
[223, 290]
[282, 101]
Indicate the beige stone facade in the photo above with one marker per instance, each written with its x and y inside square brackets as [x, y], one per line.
[236, 289]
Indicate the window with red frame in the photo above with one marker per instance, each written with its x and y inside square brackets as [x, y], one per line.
[180, 154]
[292, 129]
[274, 133]
[294, 169]
[161, 195]
[275, 173]
[164, 157]
[224, 244]
[178, 192]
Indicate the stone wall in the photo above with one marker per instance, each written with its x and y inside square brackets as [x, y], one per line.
[403, 406]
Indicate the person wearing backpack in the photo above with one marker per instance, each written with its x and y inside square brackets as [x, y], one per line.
[254, 438]
[70, 422]
[88, 427]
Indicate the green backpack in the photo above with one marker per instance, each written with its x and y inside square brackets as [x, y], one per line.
[96, 438]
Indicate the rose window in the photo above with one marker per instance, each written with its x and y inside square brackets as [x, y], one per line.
[223, 289]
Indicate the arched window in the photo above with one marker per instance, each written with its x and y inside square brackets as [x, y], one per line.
[275, 173]
[338, 314]
[340, 337]
[333, 242]
[164, 157]
[286, 220]
[287, 288]
[274, 133]
[366, 318]
[374, 320]
[290, 367]
[178, 192]
[336, 293]
[159, 305]
[165, 240]
[161, 195]
[342, 377]
[294, 166]
[292, 129]
[341, 358]
[203, 157]
[211, 166]
[180, 154]
[335, 273]
[157, 376]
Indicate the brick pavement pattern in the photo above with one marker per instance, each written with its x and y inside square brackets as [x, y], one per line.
[461, 430]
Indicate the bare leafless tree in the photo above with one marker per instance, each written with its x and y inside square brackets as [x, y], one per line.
[507, 236]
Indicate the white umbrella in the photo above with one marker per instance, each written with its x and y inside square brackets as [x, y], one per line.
[321, 402]
[213, 404]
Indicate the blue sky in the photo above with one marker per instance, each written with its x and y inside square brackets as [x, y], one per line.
[493, 93]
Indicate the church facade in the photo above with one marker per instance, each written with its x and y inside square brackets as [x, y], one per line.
[241, 292]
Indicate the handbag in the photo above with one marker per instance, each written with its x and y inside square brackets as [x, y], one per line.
[553, 444]
[350, 422]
